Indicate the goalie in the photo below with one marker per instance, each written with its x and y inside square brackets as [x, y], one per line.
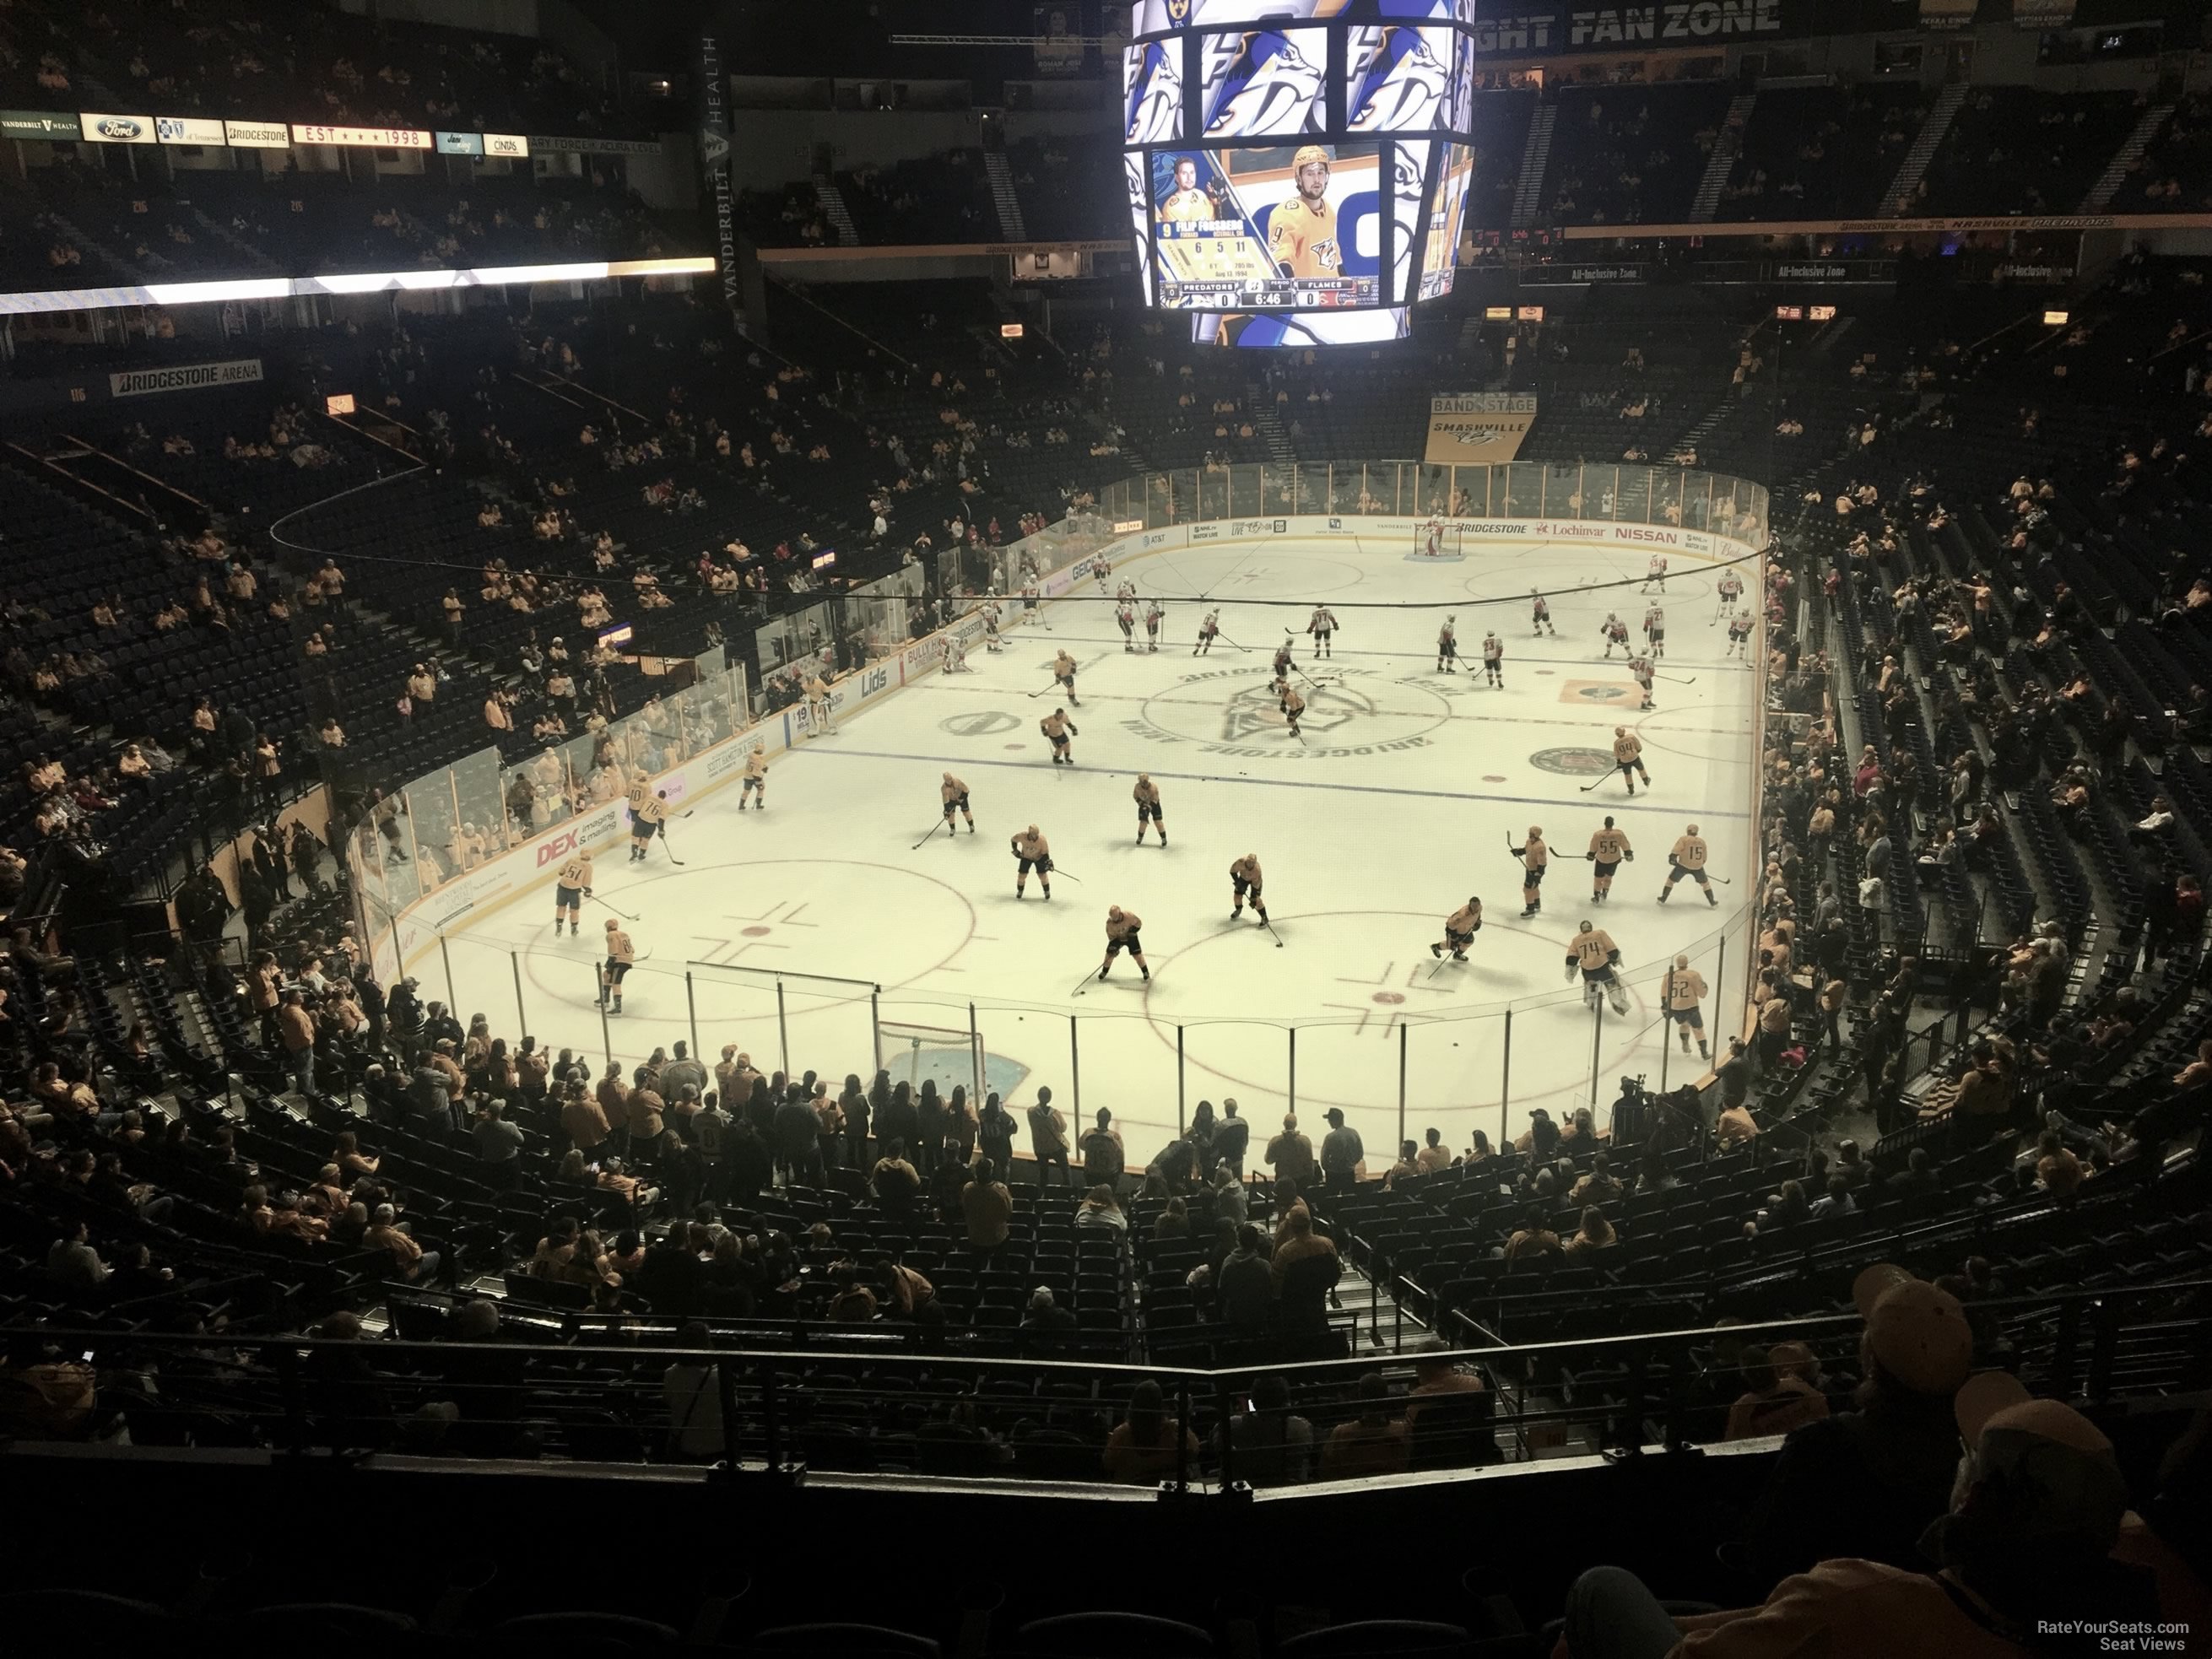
[1592, 950]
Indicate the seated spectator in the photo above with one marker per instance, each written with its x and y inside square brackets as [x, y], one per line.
[2032, 1538]
[1374, 1442]
[1100, 1208]
[1268, 1444]
[1146, 1445]
[1778, 1392]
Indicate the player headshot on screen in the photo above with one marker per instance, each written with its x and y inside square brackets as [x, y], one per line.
[1302, 234]
[1186, 200]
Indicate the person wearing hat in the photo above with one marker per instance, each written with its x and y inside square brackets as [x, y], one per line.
[1341, 1153]
[1302, 234]
[1779, 1394]
[2036, 1535]
[1866, 1481]
[1290, 1154]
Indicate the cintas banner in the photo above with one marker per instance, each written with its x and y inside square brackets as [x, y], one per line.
[715, 157]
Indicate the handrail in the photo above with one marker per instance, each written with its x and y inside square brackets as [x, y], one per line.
[939, 1358]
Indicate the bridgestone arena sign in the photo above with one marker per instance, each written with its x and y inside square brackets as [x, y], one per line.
[185, 377]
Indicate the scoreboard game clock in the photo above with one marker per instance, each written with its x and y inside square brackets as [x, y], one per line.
[1298, 175]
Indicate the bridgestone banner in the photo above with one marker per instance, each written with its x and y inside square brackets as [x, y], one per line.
[183, 377]
[1478, 427]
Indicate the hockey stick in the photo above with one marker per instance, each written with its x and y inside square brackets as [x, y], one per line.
[1432, 972]
[1270, 927]
[625, 915]
[1057, 871]
[933, 832]
[667, 848]
[1673, 680]
[1219, 634]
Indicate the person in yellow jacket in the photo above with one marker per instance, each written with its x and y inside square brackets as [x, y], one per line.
[754, 787]
[1683, 989]
[621, 955]
[1607, 847]
[1688, 858]
[1301, 237]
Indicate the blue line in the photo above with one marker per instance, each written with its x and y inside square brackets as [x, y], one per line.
[1296, 783]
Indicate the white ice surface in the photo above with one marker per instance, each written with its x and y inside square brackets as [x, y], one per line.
[1398, 804]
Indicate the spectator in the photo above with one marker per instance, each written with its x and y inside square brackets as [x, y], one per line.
[1778, 1395]
[1290, 1154]
[1148, 1446]
[1866, 1482]
[1244, 1288]
[1342, 1156]
[1267, 1444]
[1374, 1442]
[988, 1208]
[1045, 1322]
[2026, 1543]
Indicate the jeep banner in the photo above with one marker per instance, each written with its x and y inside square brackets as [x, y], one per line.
[1478, 427]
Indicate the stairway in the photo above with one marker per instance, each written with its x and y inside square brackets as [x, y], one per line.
[1264, 423]
[249, 257]
[1377, 1319]
[1529, 192]
[1914, 167]
[1010, 227]
[834, 210]
[1722, 163]
[2115, 170]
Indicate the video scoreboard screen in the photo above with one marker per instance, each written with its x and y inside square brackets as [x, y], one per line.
[1298, 170]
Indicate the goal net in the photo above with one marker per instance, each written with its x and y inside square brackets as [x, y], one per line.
[951, 1057]
[1437, 540]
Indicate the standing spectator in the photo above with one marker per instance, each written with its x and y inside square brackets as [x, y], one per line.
[1048, 1138]
[1102, 1163]
[988, 1208]
[499, 1143]
[1341, 1153]
[296, 1027]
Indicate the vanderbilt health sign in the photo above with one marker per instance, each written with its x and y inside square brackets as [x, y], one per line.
[183, 377]
[1478, 427]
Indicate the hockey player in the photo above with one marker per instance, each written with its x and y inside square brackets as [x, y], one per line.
[1535, 856]
[1126, 615]
[1035, 853]
[818, 706]
[1740, 627]
[1029, 591]
[1446, 647]
[953, 793]
[1063, 670]
[646, 819]
[1210, 626]
[754, 787]
[1540, 609]
[1460, 928]
[1292, 706]
[621, 953]
[955, 656]
[1628, 755]
[1615, 632]
[1655, 572]
[1493, 659]
[570, 888]
[1607, 847]
[1640, 666]
[1153, 617]
[1244, 882]
[1147, 794]
[1121, 928]
[1283, 658]
[1057, 729]
[1100, 571]
[1688, 858]
[990, 642]
[1655, 628]
[1592, 950]
[1124, 591]
[1730, 588]
[1432, 538]
[1320, 625]
[1683, 989]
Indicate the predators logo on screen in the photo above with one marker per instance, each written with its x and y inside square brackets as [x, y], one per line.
[1400, 79]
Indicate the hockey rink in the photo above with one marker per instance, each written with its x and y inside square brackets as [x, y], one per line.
[1397, 803]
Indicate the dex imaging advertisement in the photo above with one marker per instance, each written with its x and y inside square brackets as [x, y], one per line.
[1260, 230]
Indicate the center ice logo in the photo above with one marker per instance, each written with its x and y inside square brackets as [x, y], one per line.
[1255, 712]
